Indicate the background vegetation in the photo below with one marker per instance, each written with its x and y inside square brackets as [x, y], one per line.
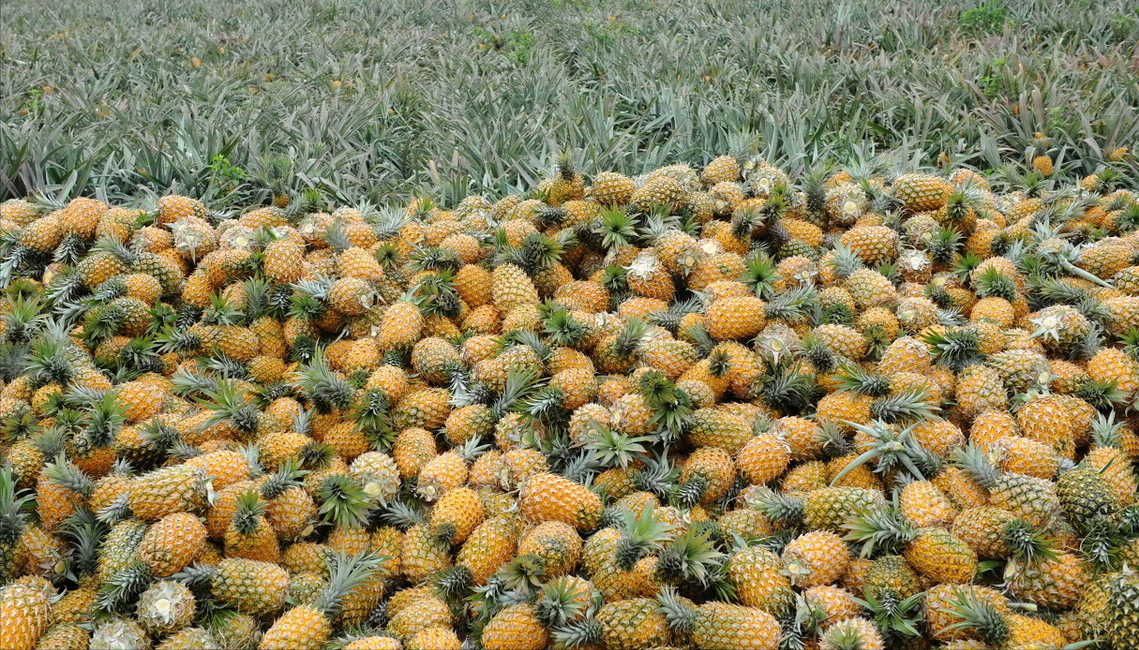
[230, 101]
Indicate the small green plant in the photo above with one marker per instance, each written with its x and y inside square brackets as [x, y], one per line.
[515, 45]
[993, 83]
[987, 18]
[220, 167]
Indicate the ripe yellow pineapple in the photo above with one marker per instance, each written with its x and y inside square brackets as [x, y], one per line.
[26, 612]
[549, 497]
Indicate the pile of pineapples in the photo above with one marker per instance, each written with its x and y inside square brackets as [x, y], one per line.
[714, 409]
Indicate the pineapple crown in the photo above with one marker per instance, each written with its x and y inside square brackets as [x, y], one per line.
[288, 475]
[855, 378]
[388, 255]
[907, 406]
[11, 508]
[896, 617]
[24, 319]
[690, 559]
[955, 348]
[565, 166]
[965, 200]
[188, 383]
[844, 261]
[1027, 544]
[345, 574]
[523, 392]
[559, 327]
[22, 423]
[843, 636]
[814, 349]
[259, 299]
[750, 220]
[994, 283]
[787, 390]
[880, 529]
[815, 191]
[641, 534]
[678, 611]
[978, 464]
[326, 390]
[103, 421]
[839, 314]
[402, 514]
[523, 575]
[435, 258]
[980, 617]
[678, 309]
[159, 434]
[616, 228]
[385, 222]
[248, 513]
[615, 279]
[1128, 218]
[122, 589]
[222, 312]
[435, 294]
[227, 404]
[614, 449]
[1106, 431]
[671, 406]
[343, 502]
[657, 475]
[453, 583]
[760, 276]
[794, 304]
[65, 474]
[890, 448]
[51, 360]
[336, 236]
[85, 533]
[310, 297]
[370, 412]
[559, 602]
[585, 633]
[139, 356]
[631, 337]
[943, 245]
[125, 253]
[548, 216]
[779, 506]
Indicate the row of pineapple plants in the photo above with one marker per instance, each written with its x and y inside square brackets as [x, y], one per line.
[714, 408]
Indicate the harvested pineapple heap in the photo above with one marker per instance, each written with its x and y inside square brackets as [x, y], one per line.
[696, 409]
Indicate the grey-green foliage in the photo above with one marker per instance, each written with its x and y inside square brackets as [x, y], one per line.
[477, 96]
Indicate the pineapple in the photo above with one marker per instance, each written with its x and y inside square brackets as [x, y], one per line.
[933, 552]
[611, 188]
[26, 613]
[736, 318]
[921, 192]
[167, 491]
[549, 497]
[759, 579]
[721, 625]
[172, 543]
[515, 627]
[166, 607]
[309, 626]
[248, 586]
[456, 515]
[511, 287]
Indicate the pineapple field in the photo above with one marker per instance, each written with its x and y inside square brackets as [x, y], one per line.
[577, 325]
